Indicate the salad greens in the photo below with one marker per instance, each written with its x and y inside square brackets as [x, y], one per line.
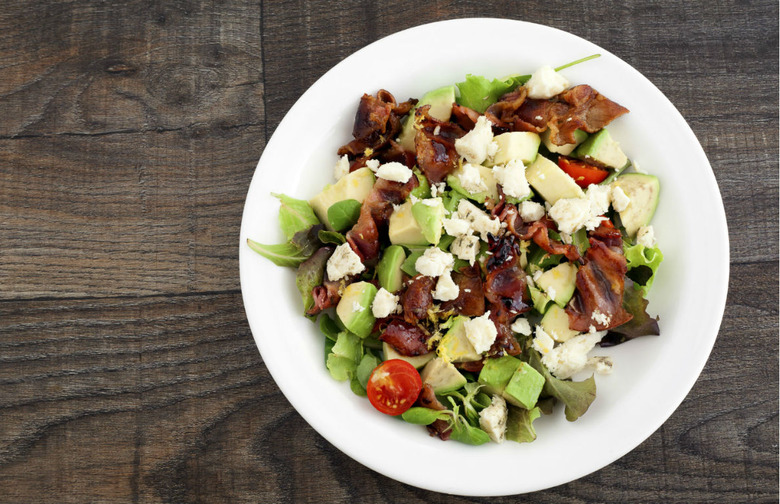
[530, 255]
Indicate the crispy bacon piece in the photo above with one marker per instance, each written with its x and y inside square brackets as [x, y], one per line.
[417, 299]
[464, 116]
[471, 300]
[377, 121]
[607, 233]
[538, 232]
[505, 342]
[435, 145]
[364, 236]
[580, 107]
[325, 296]
[427, 399]
[505, 282]
[600, 284]
[407, 339]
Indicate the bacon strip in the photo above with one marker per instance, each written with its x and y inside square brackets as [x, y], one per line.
[427, 399]
[505, 282]
[538, 232]
[325, 296]
[464, 116]
[505, 342]
[471, 300]
[580, 107]
[417, 299]
[435, 145]
[600, 284]
[407, 339]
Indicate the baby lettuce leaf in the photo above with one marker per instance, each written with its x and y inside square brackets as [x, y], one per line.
[295, 215]
[520, 424]
[423, 416]
[642, 265]
[478, 93]
[329, 327]
[310, 274]
[576, 396]
[331, 237]
[642, 324]
[344, 357]
[344, 214]
[367, 365]
[465, 433]
[284, 254]
[308, 239]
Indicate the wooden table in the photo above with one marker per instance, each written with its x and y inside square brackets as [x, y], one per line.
[129, 132]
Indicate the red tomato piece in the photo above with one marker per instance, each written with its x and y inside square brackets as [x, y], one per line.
[394, 386]
[582, 173]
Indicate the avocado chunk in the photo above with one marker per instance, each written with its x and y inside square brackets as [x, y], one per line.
[388, 271]
[417, 361]
[540, 300]
[429, 215]
[522, 145]
[602, 150]
[403, 228]
[442, 376]
[643, 190]
[354, 308]
[488, 178]
[455, 346]
[559, 282]
[497, 372]
[565, 150]
[354, 186]
[556, 323]
[441, 101]
[524, 387]
[550, 181]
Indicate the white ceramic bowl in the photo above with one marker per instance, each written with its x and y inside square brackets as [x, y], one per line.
[652, 374]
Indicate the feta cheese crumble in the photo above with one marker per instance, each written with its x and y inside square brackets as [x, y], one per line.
[373, 165]
[474, 145]
[385, 303]
[620, 200]
[546, 83]
[511, 176]
[600, 318]
[493, 419]
[572, 356]
[470, 178]
[481, 332]
[342, 167]
[646, 236]
[480, 222]
[543, 342]
[466, 247]
[357, 307]
[395, 172]
[446, 288]
[570, 213]
[531, 211]
[456, 226]
[343, 262]
[521, 326]
[434, 262]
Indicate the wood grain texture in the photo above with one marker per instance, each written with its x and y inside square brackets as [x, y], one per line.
[129, 133]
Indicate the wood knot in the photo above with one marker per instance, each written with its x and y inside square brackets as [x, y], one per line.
[120, 68]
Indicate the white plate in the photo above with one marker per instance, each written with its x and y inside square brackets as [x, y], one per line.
[652, 375]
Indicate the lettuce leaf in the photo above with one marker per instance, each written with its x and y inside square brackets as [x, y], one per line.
[520, 424]
[576, 396]
[478, 93]
[641, 325]
[344, 214]
[642, 265]
[345, 356]
[295, 215]
[284, 254]
[310, 274]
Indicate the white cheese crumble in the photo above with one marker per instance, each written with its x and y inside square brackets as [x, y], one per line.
[456, 226]
[531, 211]
[395, 172]
[434, 262]
[437, 189]
[357, 307]
[466, 247]
[481, 332]
[343, 262]
[572, 356]
[342, 167]
[599, 199]
[570, 213]
[620, 200]
[493, 419]
[470, 179]
[385, 303]
[446, 288]
[511, 176]
[480, 222]
[546, 83]
[600, 318]
[543, 342]
[431, 202]
[646, 236]
[521, 326]
[601, 364]
[474, 145]
[373, 165]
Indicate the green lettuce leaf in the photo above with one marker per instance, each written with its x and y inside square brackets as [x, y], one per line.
[295, 215]
[331, 237]
[423, 190]
[344, 214]
[329, 327]
[367, 365]
[419, 415]
[520, 424]
[478, 93]
[345, 356]
[642, 324]
[310, 274]
[642, 265]
[284, 254]
[576, 396]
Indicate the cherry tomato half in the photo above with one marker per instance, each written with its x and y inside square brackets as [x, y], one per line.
[394, 386]
[582, 173]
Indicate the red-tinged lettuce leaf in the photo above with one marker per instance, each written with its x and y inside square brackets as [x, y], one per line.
[308, 240]
[576, 396]
[310, 274]
[642, 324]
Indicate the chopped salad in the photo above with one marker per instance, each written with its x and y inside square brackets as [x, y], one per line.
[475, 246]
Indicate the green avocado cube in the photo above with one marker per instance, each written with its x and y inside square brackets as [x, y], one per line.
[497, 372]
[524, 387]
